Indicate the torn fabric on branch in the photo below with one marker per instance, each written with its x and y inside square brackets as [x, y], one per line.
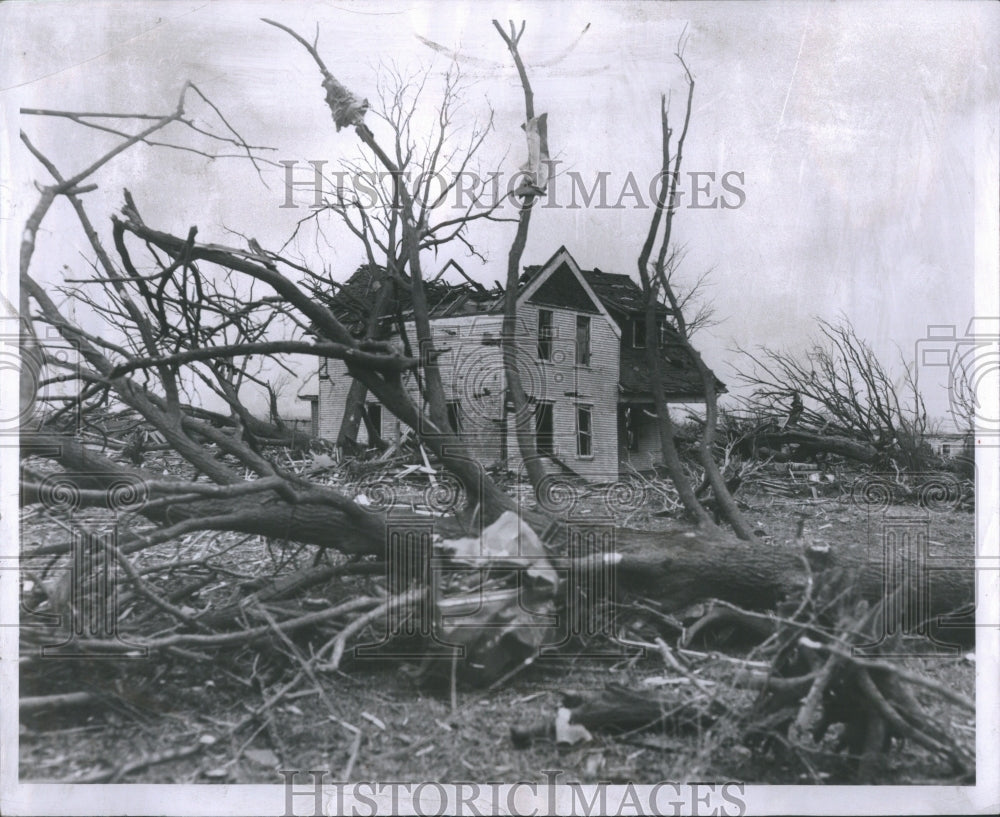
[537, 168]
[347, 110]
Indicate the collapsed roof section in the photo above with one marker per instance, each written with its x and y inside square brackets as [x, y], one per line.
[461, 295]
[354, 300]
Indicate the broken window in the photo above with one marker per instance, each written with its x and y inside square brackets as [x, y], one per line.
[584, 432]
[582, 340]
[544, 430]
[545, 334]
[455, 416]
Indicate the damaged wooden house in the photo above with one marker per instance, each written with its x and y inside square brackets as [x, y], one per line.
[581, 348]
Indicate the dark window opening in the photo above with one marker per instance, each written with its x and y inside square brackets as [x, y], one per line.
[946, 450]
[584, 432]
[373, 420]
[582, 340]
[545, 334]
[455, 416]
[633, 423]
[639, 333]
[544, 430]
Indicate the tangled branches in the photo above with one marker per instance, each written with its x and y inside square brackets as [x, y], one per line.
[839, 682]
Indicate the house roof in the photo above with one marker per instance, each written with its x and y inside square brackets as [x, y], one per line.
[948, 436]
[534, 284]
[622, 299]
[353, 301]
[619, 292]
[680, 377]
[309, 390]
[614, 295]
[612, 292]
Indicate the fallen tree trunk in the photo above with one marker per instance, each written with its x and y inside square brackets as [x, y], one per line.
[809, 444]
[324, 519]
[688, 565]
[615, 709]
[682, 567]
[676, 567]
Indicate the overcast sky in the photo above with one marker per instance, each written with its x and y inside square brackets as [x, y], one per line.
[864, 135]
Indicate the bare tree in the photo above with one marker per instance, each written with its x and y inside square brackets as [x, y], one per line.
[838, 399]
[385, 287]
[190, 314]
[657, 265]
[182, 315]
[403, 217]
[411, 177]
[963, 396]
[522, 415]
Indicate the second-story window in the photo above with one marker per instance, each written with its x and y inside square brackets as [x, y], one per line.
[582, 340]
[545, 334]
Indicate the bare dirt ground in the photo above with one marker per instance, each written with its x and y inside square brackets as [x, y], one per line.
[176, 719]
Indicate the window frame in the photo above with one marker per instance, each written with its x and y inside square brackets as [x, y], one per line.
[637, 327]
[583, 357]
[584, 410]
[546, 407]
[545, 335]
[633, 415]
[661, 331]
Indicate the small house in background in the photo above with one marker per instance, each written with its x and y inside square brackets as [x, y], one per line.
[950, 444]
[310, 394]
[581, 350]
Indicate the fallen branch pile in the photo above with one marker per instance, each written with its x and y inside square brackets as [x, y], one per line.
[232, 599]
[821, 684]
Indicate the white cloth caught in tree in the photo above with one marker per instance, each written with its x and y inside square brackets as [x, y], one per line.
[537, 167]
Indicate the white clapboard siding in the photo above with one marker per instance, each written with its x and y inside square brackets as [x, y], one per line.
[473, 376]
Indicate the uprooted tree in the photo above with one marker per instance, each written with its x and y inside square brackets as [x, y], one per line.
[194, 315]
[837, 398]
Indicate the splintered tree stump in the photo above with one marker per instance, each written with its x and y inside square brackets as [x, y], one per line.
[836, 646]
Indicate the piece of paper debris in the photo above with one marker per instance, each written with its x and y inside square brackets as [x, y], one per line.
[571, 733]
